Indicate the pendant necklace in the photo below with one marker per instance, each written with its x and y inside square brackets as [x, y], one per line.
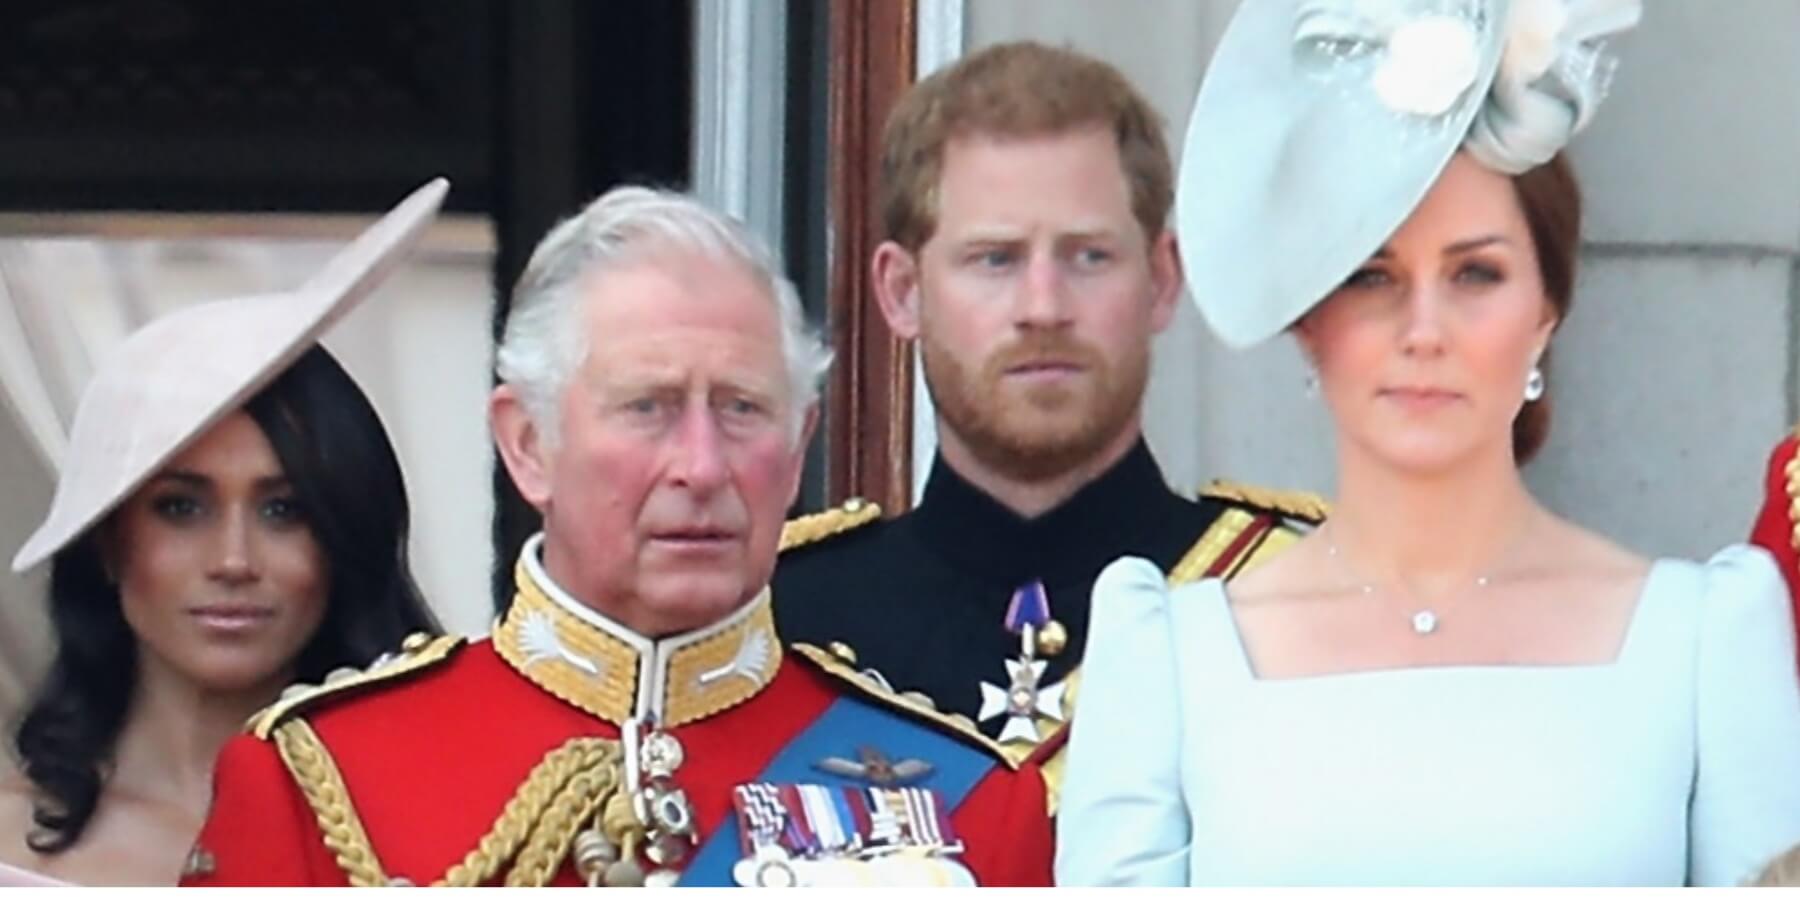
[1424, 617]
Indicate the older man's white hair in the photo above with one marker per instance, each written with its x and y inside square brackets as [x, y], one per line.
[545, 341]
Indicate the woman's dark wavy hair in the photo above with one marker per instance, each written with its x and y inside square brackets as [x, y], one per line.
[335, 453]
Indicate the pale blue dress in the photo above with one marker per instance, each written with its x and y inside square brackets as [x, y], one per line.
[1677, 763]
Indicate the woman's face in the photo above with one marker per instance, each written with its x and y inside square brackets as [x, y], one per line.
[218, 571]
[1424, 351]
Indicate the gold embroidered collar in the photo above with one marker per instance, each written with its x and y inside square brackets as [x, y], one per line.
[598, 665]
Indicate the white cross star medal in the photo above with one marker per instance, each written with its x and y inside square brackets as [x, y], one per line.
[1022, 701]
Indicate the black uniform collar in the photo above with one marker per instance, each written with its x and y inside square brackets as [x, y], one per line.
[1107, 518]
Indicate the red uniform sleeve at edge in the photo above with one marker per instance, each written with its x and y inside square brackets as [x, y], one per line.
[1005, 829]
[260, 830]
[1774, 528]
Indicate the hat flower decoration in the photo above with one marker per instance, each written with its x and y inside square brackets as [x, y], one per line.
[1430, 62]
[1321, 124]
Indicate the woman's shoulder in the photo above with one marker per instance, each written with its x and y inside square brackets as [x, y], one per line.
[18, 876]
[1134, 595]
[1731, 564]
[1740, 581]
[1733, 604]
[15, 820]
[125, 844]
[1733, 573]
[16, 795]
[1142, 579]
[1294, 572]
[1593, 554]
[1568, 560]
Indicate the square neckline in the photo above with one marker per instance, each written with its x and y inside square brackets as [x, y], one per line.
[1633, 627]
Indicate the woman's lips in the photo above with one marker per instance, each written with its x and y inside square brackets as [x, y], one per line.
[232, 617]
[1420, 398]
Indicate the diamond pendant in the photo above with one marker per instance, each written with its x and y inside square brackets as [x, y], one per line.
[1424, 622]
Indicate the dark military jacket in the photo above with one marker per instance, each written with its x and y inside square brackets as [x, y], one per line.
[922, 598]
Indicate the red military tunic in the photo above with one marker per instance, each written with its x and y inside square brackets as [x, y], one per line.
[1775, 529]
[431, 750]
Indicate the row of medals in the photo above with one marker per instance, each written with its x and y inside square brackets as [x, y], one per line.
[653, 815]
[652, 818]
[913, 855]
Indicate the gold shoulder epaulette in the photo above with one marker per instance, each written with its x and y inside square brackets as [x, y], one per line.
[870, 685]
[418, 652]
[1258, 524]
[1304, 505]
[809, 529]
[1793, 491]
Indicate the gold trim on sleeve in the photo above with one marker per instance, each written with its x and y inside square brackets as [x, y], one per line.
[1304, 505]
[417, 653]
[1214, 541]
[876, 688]
[1793, 491]
[533, 833]
[322, 784]
[810, 529]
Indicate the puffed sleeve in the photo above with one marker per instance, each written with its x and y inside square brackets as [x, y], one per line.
[1123, 820]
[1745, 808]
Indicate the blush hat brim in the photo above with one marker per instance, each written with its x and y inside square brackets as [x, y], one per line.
[170, 381]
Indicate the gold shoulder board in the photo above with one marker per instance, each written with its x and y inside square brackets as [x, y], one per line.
[809, 529]
[1258, 524]
[872, 686]
[1793, 491]
[1303, 505]
[418, 652]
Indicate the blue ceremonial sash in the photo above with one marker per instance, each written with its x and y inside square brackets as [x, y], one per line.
[848, 723]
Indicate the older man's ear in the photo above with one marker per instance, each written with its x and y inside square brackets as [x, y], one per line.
[521, 444]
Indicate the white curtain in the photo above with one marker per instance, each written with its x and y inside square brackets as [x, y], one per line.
[51, 327]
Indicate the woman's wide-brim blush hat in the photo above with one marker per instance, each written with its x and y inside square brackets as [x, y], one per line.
[169, 382]
[1321, 124]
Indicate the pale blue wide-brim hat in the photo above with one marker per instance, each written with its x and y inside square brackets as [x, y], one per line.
[1321, 124]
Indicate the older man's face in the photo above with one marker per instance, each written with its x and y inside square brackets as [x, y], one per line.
[676, 461]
